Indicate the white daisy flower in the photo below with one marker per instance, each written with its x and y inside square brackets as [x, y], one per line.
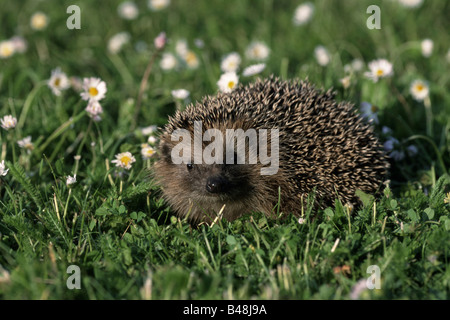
[39, 21]
[301, 220]
[181, 47]
[71, 180]
[168, 61]
[160, 41]
[191, 59]
[19, 43]
[149, 130]
[117, 41]
[345, 81]
[253, 69]
[380, 68]
[303, 13]
[231, 62]
[7, 49]
[3, 170]
[8, 122]
[26, 143]
[152, 140]
[94, 110]
[124, 160]
[228, 82]
[410, 3]
[180, 94]
[322, 55]
[419, 90]
[427, 47]
[369, 112]
[355, 66]
[147, 151]
[58, 82]
[156, 5]
[94, 89]
[257, 50]
[128, 10]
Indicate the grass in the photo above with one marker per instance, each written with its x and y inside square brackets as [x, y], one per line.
[113, 224]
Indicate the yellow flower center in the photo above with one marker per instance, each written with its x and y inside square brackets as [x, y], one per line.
[57, 82]
[379, 72]
[420, 87]
[231, 84]
[6, 51]
[374, 108]
[93, 91]
[125, 160]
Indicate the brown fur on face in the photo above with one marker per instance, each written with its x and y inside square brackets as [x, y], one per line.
[323, 146]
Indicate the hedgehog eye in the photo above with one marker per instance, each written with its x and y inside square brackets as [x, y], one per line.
[190, 166]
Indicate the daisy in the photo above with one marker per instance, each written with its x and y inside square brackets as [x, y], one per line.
[19, 43]
[410, 3]
[380, 68]
[152, 140]
[180, 94]
[26, 143]
[191, 60]
[94, 109]
[117, 41]
[128, 10]
[355, 66]
[7, 49]
[303, 13]
[427, 47]
[369, 112]
[156, 5]
[3, 170]
[149, 130]
[231, 62]
[253, 69]
[39, 21]
[346, 82]
[8, 122]
[160, 41]
[147, 151]
[58, 81]
[228, 82]
[419, 90]
[322, 55]
[71, 180]
[181, 47]
[94, 89]
[168, 61]
[257, 51]
[124, 160]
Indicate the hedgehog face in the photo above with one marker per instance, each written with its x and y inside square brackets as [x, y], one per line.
[201, 190]
[217, 182]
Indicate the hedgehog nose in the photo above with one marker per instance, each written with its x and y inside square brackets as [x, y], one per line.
[216, 184]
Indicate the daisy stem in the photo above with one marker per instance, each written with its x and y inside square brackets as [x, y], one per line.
[142, 87]
[429, 116]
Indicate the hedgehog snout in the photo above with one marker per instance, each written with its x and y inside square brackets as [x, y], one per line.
[217, 184]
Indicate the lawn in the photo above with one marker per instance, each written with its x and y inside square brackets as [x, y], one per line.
[77, 224]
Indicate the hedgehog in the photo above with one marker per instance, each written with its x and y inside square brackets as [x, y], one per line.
[315, 144]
